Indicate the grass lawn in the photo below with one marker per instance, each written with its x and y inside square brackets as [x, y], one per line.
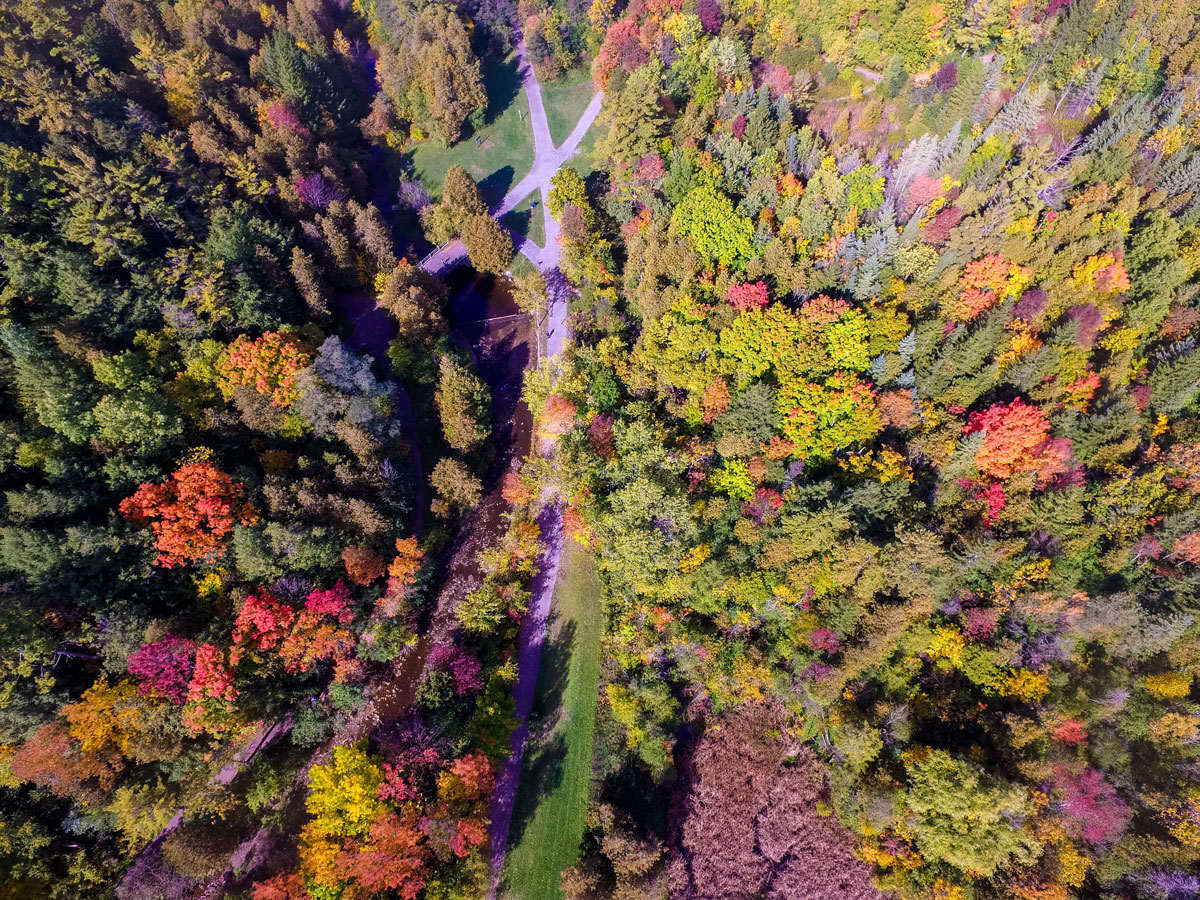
[505, 152]
[520, 266]
[551, 807]
[565, 99]
[584, 161]
[526, 220]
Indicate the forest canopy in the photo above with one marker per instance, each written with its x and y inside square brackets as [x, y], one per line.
[878, 415]
[881, 421]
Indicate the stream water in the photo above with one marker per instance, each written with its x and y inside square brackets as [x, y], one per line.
[485, 320]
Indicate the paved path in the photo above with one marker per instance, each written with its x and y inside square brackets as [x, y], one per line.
[866, 73]
[548, 159]
[533, 633]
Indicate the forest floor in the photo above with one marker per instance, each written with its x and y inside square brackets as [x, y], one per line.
[550, 812]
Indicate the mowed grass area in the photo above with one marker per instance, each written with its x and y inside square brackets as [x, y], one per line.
[504, 154]
[526, 219]
[521, 266]
[565, 99]
[552, 801]
[584, 162]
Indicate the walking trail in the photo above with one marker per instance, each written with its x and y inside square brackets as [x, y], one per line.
[548, 159]
[370, 332]
[397, 694]
[142, 867]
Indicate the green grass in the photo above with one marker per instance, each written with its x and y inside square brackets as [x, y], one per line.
[551, 808]
[565, 99]
[521, 266]
[584, 161]
[505, 153]
[526, 220]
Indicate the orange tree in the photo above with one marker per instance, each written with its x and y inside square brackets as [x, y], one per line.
[269, 364]
[190, 513]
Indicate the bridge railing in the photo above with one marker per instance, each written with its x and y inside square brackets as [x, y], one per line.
[435, 251]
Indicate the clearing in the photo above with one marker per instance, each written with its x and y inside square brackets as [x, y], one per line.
[503, 154]
[552, 802]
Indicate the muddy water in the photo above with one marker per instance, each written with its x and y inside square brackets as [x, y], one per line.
[485, 320]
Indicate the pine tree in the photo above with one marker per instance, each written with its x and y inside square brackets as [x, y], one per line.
[634, 118]
[489, 246]
[54, 393]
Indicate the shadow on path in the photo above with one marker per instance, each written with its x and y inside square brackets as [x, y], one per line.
[547, 751]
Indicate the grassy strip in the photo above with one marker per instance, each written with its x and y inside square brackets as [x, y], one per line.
[584, 162]
[521, 266]
[565, 99]
[552, 801]
[526, 219]
[503, 154]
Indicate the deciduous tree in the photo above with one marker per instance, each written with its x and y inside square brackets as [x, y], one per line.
[190, 514]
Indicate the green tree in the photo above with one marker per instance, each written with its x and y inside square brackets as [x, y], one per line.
[568, 187]
[963, 819]
[634, 117]
[458, 490]
[489, 246]
[461, 193]
[136, 418]
[284, 66]
[530, 294]
[134, 412]
[141, 812]
[450, 76]
[54, 393]
[464, 403]
[717, 231]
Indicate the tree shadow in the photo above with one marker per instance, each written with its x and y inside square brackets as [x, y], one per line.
[496, 185]
[518, 221]
[546, 750]
[503, 82]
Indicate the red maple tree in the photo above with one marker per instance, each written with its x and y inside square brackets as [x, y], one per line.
[163, 668]
[190, 513]
[752, 295]
[262, 623]
[1015, 433]
[392, 859]
[211, 693]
